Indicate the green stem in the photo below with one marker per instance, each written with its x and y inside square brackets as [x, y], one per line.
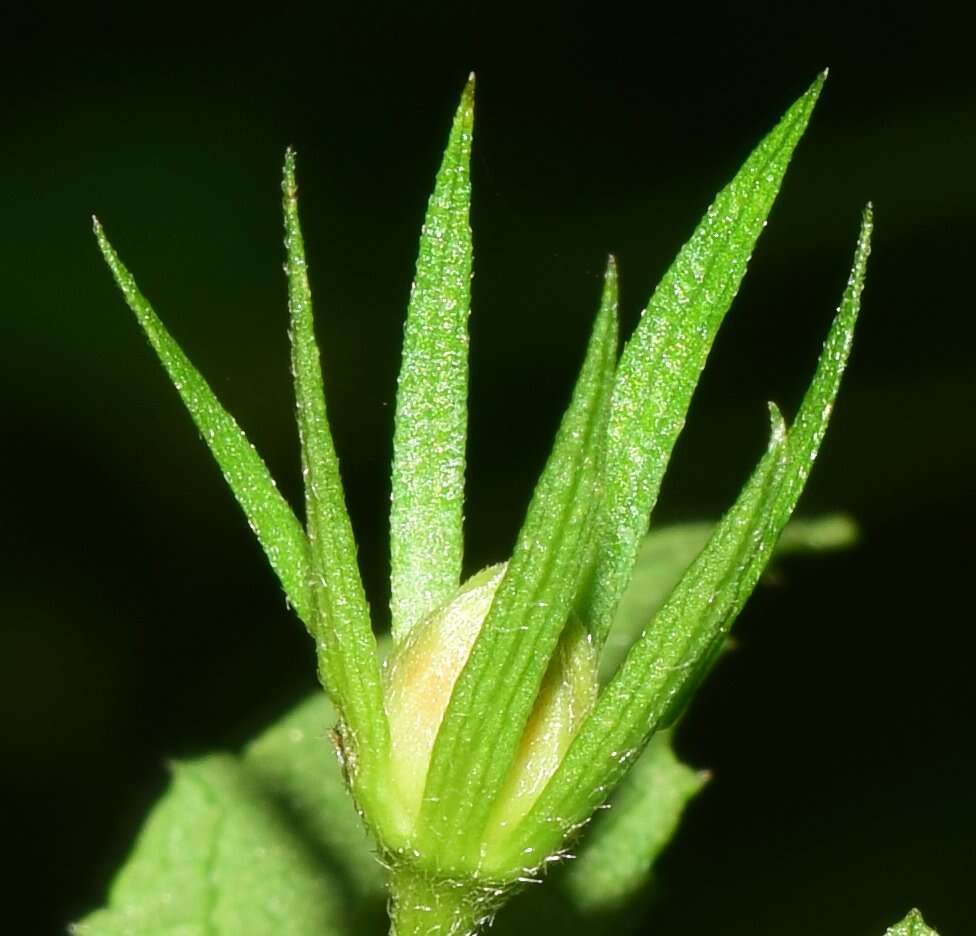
[422, 905]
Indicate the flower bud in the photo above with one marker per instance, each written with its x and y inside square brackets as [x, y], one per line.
[421, 677]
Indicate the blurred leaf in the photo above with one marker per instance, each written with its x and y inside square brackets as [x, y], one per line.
[817, 534]
[667, 551]
[912, 925]
[267, 842]
[426, 536]
[295, 762]
[497, 689]
[215, 857]
[621, 845]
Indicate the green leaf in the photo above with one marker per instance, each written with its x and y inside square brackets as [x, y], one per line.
[615, 860]
[278, 531]
[432, 397]
[667, 551]
[268, 842]
[662, 361]
[348, 663]
[817, 534]
[695, 617]
[215, 859]
[497, 688]
[912, 925]
[295, 761]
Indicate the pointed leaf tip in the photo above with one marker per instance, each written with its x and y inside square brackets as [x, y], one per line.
[777, 425]
[912, 925]
[289, 182]
[106, 248]
[466, 104]
[867, 221]
[812, 94]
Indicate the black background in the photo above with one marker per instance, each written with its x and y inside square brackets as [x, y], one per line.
[138, 621]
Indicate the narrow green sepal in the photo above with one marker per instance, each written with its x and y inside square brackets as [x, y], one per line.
[497, 689]
[662, 361]
[803, 441]
[673, 653]
[274, 523]
[810, 425]
[347, 658]
[696, 615]
[426, 539]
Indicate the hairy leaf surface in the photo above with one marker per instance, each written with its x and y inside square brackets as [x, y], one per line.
[265, 842]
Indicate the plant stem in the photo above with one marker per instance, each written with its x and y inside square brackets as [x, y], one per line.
[422, 905]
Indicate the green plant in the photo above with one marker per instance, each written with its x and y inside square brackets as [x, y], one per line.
[479, 750]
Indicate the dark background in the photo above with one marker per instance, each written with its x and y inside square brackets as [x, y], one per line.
[138, 621]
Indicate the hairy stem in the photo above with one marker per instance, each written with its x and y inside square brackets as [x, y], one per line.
[422, 905]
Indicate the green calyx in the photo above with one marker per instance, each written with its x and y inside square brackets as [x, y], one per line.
[487, 743]
[421, 678]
